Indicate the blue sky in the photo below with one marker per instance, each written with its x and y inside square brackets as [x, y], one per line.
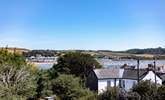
[82, 24]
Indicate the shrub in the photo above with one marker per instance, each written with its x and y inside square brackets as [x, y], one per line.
[146, 89]
[161, 93]
[112, 93]
[68, 87]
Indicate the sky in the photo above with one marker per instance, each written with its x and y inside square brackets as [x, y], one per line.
[82, 24]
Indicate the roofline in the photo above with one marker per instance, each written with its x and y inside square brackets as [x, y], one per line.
[156, 74]
[141, 78]
[108, 78]
[117, 78]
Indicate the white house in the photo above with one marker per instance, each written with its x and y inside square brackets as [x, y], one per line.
[130, 77]
[100, 79]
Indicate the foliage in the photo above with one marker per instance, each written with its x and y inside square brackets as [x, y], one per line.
[115, 93]
[161, 93]
[16, 78]
[46, 53]
[112, 93]
[76, 63]
[68, 87]
[147, 51]
[146, 89]
[43, 84]
[132, 96]
[88, 95]
[14, 97]
[11, 58]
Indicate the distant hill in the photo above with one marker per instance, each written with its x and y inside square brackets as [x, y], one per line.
[17, 50]
[147, 51]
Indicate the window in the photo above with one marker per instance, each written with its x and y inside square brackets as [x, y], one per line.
[115, 82]
[134, 83]
[108, 83]
[122, 83]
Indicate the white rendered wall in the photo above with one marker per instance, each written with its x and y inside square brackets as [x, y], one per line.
[129, 84]
[102, 84]
[151, 76]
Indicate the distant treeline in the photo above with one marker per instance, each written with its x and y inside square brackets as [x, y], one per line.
[158, 52]
[46, 53]
[132, 51]
[147, 51]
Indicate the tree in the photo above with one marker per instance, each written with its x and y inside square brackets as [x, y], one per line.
[112, 93]
[16, 78]
[76, 63]
[68, 87]
[43, 84]
[146, 89]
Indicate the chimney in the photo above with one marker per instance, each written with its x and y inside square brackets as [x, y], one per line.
[150, 67]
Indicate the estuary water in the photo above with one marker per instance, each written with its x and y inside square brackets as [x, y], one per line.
[44, 65]
[117, 63]
[107, 63]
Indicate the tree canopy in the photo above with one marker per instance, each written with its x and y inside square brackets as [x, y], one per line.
[78, 64]
[68, 87]
[16, 78]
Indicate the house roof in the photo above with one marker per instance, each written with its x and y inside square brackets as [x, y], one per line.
[107, 73]
[113, 73]
[132, 74]
[162, 76]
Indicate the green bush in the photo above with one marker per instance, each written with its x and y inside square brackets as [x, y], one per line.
[161, 93]
[146, 89]
[112, 93]
[132, 96]
[68, 87]
[43, 88]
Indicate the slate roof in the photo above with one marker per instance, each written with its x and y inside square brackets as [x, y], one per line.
[162, 76]
[132, 74]
[107, 73]
[113, 73]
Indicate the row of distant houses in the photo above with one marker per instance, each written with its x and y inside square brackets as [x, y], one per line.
[42, 59]
[125, 78]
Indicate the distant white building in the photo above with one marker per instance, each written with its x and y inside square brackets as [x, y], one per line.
[100, 79]
[42, 59]
[130, 77]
